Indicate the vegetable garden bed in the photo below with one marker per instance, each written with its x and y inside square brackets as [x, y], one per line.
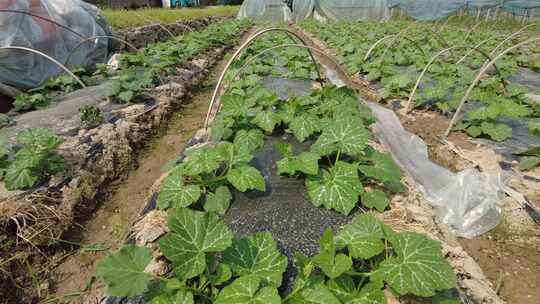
[96, 154]
[251, 167]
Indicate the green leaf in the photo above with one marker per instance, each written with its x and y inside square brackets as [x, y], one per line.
[266, 120]
[246, 290]
[236, 105]
[219, 201]
[126, 96]
[344, 288]
[222, 275]
[474, 131]
[123, 271]
[332, 264]
[286, 150]
[383, 168]
[257, 255]
[497, 132]
[17, 177]
[304, 125]
[529, 162]
[375, 199]
[252, 139]
[318, 294]
[174, 193]
[363, 237]
[233, 154]
[419, 267]
[246, 178]
[348, 135]
[163, 295]
[192, 235]
[306, 162]
[338, 188]
[202, 160]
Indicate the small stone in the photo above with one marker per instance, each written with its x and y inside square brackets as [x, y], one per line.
[103, 227]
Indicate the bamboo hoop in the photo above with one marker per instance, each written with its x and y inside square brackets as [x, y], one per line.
[479, 76]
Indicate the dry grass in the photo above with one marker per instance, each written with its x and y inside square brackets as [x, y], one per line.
[129, 18]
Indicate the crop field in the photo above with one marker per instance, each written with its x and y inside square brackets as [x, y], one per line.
[120, 19]
[247, 162]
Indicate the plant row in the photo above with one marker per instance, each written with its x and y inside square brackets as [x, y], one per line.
[340, 169]
[397, 61]
[34, 159]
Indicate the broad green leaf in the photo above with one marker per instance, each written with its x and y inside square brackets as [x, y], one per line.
[222, 275]
[363, 237]
[318, 294]
[496, 131]
[474, 131]
[123, 271]
[306, 162]
[246, 178]
[419, 267]
[192, 235]
[344, 288]
[39, 139]
[233, 154]
[304, 125]
[246, 290]
[287, 111]
[252, 139]
[175, 193]
[286, 150]
[126, 96]
[332, 264]
[337, 188]
[17, 177]
[383, 168]
[202, 160]
[529, 162]
[375, 199]
[257, 255]
[219, 201]
[165, 296]
[348, 135]
[236, 105]
[266, 120]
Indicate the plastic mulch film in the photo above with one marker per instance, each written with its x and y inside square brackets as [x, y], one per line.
[26, 70]
[466, 201]
[353, 9]
[273, 10]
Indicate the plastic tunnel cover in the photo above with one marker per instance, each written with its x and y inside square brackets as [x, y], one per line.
[26, 70]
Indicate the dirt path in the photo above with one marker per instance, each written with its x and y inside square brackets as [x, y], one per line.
[105, 231]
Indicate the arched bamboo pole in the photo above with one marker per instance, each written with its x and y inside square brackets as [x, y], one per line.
[42, 18]
[408, 108]
[479, 76]
[514, 34]
[212, 114]
[372, 48]
[239, 52]
[47, 57]
[96, 38]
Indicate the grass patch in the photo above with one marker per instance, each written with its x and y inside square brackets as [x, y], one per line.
[130, 18]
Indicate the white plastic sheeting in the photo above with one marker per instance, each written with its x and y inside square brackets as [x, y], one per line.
[353, 9]
[302, 9]
[26, 70]
[429, 9]
[272, 10]
[466, 201]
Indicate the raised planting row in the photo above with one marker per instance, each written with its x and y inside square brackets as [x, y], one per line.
[341, 172]
[395, 53]
[133, 81]
[93, 157]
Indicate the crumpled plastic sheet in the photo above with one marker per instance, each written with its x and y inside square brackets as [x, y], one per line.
[26, 70]
[466, 201]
